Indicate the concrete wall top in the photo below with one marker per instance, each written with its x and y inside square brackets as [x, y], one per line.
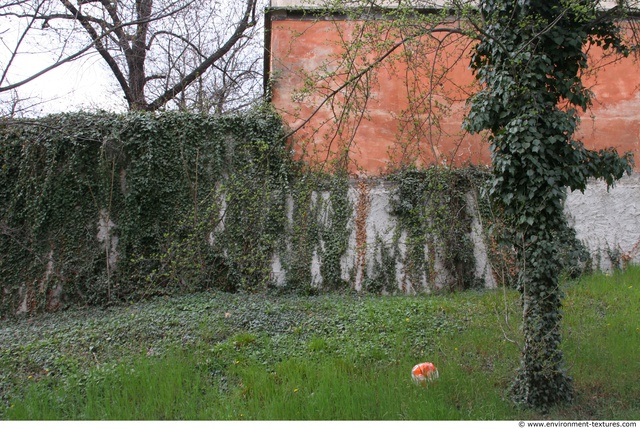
[426, 4]
[380, 3]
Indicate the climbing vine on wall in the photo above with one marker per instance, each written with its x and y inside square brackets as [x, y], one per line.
[319, 211]
[93, 206]
[432, 211]
[96, 208]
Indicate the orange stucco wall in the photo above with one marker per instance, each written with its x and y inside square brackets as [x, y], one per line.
[376, 139]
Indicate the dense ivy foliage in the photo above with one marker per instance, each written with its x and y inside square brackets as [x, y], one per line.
[100, 207]
[432, 209]
[529, 60]
[97, 208]
[320, 211]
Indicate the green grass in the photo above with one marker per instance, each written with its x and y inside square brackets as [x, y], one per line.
[346, 357]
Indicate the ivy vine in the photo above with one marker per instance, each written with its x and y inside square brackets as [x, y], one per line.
[98, 208]
[80, 191]
[529, 60]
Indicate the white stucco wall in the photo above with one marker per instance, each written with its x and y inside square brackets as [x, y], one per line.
[604, 221]
[608, 220]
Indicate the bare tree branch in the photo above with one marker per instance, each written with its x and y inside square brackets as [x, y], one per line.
[127, 36]
[248, 20]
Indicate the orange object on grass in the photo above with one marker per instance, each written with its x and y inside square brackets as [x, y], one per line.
[423, 372]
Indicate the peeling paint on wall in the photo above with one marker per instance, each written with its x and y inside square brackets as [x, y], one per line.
[372, 227]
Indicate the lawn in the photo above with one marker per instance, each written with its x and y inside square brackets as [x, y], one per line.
[335, 356]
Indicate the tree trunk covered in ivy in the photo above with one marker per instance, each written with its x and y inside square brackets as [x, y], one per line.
[530, 60]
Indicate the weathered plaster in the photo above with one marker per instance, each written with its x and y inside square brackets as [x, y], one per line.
[108, 240]
[378, 227]
[608, 220]
[603, 220]
[302, 46]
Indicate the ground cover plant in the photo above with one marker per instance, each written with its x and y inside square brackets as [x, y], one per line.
[339, 356]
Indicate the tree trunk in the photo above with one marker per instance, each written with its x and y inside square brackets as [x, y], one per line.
[541, 380]
[136, 56]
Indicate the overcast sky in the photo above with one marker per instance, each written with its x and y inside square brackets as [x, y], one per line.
[84, 84]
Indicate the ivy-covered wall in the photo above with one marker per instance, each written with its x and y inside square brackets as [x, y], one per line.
[96, 208]
[414, 231]
[99, 208]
